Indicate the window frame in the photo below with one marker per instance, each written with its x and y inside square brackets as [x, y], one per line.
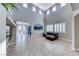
[48, 12]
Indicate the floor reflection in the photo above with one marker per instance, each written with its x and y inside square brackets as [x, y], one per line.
[39, 46]
[22, 37]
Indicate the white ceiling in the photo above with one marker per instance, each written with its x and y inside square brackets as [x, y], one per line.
[44, 6]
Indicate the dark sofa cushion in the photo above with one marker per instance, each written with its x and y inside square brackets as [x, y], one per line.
[52, 36]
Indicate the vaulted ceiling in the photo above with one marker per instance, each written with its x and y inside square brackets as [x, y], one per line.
[44, 6]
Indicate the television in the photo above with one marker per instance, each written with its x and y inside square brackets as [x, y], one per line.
[38, 27]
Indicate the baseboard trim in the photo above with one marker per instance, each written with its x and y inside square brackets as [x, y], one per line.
[65, 39]
[75, 49]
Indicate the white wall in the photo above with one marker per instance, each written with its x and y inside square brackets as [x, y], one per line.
[2, 23]
[2, 30]
[27, 15]
[62, 15]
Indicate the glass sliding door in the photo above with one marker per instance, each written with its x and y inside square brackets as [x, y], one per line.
[22, 32]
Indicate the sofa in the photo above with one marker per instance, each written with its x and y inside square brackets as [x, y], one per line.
[51, 36]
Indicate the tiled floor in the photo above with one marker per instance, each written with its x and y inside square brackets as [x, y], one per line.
[39, 46]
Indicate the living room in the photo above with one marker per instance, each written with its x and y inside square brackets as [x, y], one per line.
[40, 27]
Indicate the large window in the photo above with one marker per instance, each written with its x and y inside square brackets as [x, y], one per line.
[55, 27]
[58, 28]
[40, 12]
[50, 28]
[25, 5]
[61, 27]
[48, 12]
[34, 9]
[64, 27]
[54, 8]
[63, 4]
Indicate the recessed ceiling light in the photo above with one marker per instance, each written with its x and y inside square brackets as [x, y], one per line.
[25, 5]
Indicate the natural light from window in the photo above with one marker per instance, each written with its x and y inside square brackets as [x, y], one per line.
[64, 27]
[25, 5]
[34, 8]
[40, 12]
[58, 28]
[54, 8]
[22, 23]
[63, 4]
[48, 12]
[61, 27]
[50, 28]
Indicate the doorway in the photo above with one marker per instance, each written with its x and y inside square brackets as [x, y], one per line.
[76, 32]
[22, 32]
